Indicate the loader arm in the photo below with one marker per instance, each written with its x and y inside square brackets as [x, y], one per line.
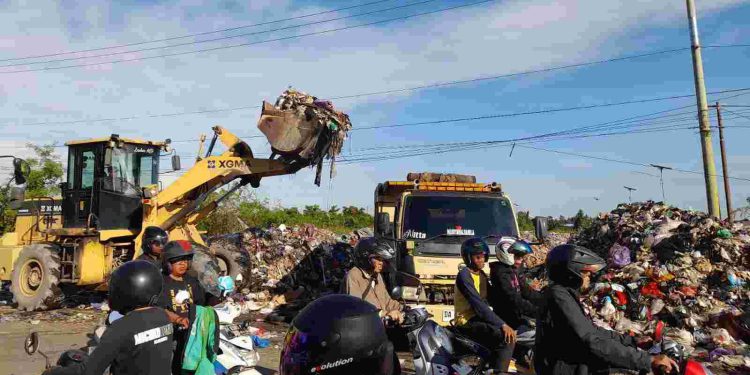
[178, 207]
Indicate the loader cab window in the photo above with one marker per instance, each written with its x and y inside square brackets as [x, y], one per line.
[88, 167]
[130, 167]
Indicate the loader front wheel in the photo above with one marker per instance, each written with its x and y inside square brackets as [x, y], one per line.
[35, 278]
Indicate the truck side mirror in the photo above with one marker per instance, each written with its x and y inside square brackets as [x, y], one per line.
[540, 228]
[384, 224]
[176, 163]
[21, 171]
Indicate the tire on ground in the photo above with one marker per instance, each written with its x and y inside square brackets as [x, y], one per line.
[206, 269]
[35, 278]
[235, 259]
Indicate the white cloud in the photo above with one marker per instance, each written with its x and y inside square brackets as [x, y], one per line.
[492, 39]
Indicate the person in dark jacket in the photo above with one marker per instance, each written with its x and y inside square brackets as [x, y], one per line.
[567, 341]
[139, 342]
[474, 317]
[152, 244]
[511, 298]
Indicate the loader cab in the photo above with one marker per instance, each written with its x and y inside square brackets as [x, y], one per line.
[105, 179]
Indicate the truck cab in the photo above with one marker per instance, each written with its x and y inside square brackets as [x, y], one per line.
[427, 219]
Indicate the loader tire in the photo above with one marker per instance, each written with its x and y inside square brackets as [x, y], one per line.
[232, 261]
[205, 268]
[36, 274]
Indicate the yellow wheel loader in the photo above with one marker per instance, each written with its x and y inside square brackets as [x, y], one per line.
[111, 194]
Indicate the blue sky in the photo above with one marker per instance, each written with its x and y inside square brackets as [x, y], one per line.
[489, 39]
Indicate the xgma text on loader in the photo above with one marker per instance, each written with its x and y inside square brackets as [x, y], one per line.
[111, 194]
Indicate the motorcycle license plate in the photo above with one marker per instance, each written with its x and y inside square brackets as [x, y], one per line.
[447, 315]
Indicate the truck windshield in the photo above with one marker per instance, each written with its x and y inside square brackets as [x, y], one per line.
[429, 216]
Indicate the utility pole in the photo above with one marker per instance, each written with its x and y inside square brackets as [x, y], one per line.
[709, 168]
[724, 167]
[661, 179]
[630, 193]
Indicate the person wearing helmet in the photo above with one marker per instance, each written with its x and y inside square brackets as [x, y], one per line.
[140, 342]
[474, 317]
[511, 297]
[337, 334]
[567, 341]
[365, 280]
[181, 292]
[152, 244]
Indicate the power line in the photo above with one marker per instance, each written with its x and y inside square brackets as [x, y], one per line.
[494, 116]
[255, 43]
[219, 38]
[737, 114]
[197, 34]
[404, 124]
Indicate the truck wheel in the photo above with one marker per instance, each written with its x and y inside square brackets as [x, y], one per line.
[232, 261]
[36, 274]
[206, 269]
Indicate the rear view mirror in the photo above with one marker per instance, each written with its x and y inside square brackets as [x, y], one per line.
[16, 196]
[397, 293]
[384, 224]
[21, 171]
[405, 279]
[32, 343]
[540, 228]
[176, 163]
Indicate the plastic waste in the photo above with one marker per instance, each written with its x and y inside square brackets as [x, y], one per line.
[724, 233]
[260, 342]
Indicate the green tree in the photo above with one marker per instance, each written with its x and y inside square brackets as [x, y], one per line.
[46, 172]
[581, 220]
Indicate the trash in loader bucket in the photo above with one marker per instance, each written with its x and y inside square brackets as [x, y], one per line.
[303, 128]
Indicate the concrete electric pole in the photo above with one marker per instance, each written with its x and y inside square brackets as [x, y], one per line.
[724, 167]
[709, 168]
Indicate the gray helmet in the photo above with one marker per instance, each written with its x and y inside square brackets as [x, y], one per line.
[372, 247]
[566, 262]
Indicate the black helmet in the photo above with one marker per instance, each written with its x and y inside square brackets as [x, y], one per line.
[373, 247]
[72, 357]
[337, 334]
[134, 284]
[175, 250]
[153, 234]
[474, 246]
[566, 262]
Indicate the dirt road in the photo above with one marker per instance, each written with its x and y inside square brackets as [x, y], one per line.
[66, 329]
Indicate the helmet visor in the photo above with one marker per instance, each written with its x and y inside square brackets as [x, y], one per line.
[304, 354]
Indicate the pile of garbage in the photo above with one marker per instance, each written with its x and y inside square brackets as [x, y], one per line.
[539, 256]
[680, 267]
[288, 267]
[302, 127]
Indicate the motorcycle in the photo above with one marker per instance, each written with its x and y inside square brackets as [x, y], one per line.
[438, 350]
[676, 351]
[67, 358]
[238, 355]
